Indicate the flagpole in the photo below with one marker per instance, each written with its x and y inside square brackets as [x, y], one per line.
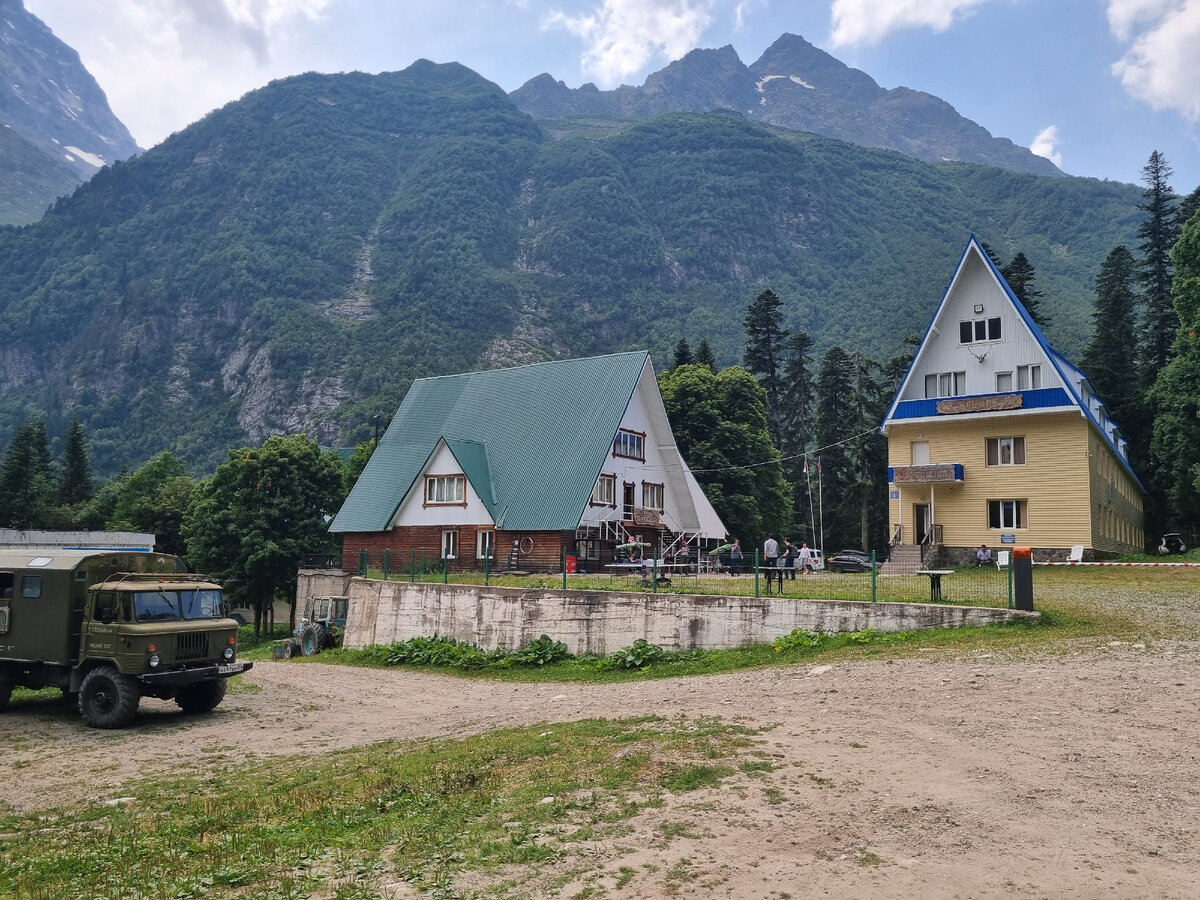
[821, 506]
[812, 522]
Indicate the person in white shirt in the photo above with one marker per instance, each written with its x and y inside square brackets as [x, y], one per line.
[804, 562]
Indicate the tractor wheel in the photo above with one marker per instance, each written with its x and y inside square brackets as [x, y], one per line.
[5, 692]
[108, 699]
[309, 641]
[289, 649]
[202, 697]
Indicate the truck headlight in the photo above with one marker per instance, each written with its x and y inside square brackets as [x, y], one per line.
[227, 653]
[153, 660]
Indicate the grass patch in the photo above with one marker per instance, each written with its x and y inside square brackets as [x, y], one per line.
[344, 824]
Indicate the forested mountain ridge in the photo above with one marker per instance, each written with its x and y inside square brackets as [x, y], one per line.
[797, 86]
[291, 261]
[58, 128]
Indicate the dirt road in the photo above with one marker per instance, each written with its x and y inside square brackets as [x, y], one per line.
[1064, 776]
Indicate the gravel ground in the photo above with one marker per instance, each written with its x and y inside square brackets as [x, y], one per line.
[1049, 773]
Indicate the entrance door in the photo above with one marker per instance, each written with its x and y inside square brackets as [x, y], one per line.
[921, 523]
[627, 499]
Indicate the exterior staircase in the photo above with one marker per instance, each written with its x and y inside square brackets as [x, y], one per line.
[904, 560]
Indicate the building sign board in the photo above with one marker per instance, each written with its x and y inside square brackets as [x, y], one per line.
[643, 516]
[1008, 538]
[980, 404]
[938, 473]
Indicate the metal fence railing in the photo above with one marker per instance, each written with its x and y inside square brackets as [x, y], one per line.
[962, 585]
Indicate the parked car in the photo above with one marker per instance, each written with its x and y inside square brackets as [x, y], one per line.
[849, 561]
[817, 561]
[1171, 543]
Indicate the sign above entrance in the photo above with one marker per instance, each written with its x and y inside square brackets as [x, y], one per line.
[938, 473]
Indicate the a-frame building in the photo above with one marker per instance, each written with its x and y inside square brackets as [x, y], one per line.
[528, 464]
[995, 438]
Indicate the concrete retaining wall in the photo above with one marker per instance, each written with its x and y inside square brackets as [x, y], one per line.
[382, 612]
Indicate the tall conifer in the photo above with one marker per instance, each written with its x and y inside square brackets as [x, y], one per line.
[763, 358]
[1157, 234]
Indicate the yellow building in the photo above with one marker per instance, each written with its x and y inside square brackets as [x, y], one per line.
[995, 438]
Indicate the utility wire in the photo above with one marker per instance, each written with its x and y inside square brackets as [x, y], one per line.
[768, 462]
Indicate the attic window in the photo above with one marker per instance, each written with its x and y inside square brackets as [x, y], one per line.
[975, 330]
[445, 490]
[630, 444]
[1029, 378]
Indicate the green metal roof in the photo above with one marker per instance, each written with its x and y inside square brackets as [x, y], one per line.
[531, 440]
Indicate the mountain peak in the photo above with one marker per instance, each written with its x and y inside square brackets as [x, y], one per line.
[798, 86]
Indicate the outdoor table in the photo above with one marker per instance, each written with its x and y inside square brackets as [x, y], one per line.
[935, 582]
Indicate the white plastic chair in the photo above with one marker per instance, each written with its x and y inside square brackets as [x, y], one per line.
[1002, 559]
[1076, 554]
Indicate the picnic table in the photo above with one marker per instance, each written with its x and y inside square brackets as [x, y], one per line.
[935, 582]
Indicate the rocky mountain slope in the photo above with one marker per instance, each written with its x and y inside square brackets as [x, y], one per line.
[797, 86]
[291, 261]
[58, 128]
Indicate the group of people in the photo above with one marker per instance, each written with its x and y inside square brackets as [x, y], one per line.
[789, 557]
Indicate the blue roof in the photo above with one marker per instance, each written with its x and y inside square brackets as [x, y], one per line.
[1039, 399]
[531, 440]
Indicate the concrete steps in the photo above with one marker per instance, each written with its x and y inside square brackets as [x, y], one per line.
[904, 560]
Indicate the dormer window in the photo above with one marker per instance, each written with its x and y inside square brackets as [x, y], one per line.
[445, 490]
[975, 330]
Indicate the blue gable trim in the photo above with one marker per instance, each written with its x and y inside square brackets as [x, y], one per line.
[1043, 398]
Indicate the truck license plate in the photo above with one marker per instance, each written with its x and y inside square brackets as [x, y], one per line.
[231, 668]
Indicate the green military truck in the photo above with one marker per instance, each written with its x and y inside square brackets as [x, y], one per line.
[113, 626]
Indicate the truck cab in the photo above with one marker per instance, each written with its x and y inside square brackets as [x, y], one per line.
[112, 627]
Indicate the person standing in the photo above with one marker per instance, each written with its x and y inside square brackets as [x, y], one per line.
[770, 552]
[804, 558]
[789, 559]
[735, 557]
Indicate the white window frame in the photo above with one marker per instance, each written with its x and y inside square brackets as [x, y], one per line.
[485, 543]
[445, 490]
[450, 543]
[1004, 382]
[605, 491]
[980, 330]
[1029, 378]
[653, 491]
[630, 445]
[1008, 515]
[945, 384]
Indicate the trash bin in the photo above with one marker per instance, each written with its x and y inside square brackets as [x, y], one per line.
[572, 563]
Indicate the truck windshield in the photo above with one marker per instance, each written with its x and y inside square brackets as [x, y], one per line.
[160, 606]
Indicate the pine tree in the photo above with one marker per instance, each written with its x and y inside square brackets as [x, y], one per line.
[1020, 275]
[1106, 359]
[1157, 234]
[763, 358]
[837, 465]
[683, 354]
[75, 475]
[27, 479]
[704, 355]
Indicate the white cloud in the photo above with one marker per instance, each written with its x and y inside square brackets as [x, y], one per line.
[1045, 144]
[162, 62]
[621, 36]
[869, 21]
[1162, 67]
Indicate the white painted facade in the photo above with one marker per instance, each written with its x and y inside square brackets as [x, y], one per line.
[414, 510]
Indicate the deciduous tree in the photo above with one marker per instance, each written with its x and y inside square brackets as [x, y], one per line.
[259, 513]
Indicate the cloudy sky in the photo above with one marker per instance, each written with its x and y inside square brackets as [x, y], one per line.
[1095, 85]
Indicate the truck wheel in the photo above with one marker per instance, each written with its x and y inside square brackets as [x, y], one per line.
[309, 641]
[108, 699]
[202, 697]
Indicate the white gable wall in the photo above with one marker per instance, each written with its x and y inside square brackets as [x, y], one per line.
[975, 285]
[414, 512]
[683, 510]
